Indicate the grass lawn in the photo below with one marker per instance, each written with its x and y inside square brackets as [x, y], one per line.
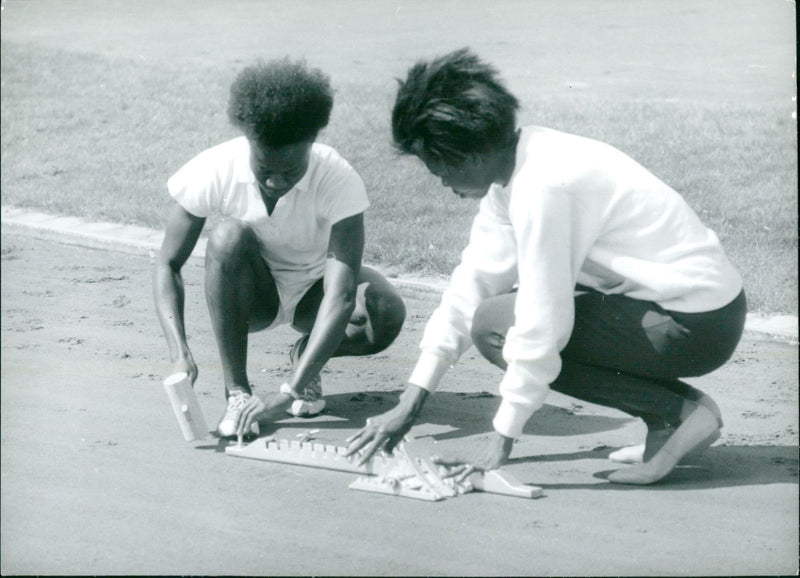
[94, 120]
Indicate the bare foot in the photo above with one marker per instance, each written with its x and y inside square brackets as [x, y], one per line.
[698, 427]
[629, 454]
[712, 406]
[657, 438]
[655, 441]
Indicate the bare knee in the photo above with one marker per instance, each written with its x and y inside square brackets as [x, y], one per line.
[487, 337]
[387, 313]
[228, 239]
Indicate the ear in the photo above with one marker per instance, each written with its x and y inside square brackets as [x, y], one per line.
[475, 159]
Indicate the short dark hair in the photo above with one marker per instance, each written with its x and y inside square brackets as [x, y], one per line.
[280, 102]
[451, 107]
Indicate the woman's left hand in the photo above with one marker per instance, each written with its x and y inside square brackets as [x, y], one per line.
[258, 409]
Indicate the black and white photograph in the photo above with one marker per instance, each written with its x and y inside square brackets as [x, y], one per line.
[398, 288]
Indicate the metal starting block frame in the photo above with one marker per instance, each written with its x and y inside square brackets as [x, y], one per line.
[409, 474]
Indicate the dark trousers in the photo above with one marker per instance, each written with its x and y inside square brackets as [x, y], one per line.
[626, 353]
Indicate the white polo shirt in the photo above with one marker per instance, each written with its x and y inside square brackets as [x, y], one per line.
[294, 238]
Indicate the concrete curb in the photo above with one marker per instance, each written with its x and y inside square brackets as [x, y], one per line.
[141, 240]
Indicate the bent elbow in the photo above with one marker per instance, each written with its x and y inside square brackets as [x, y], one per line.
[347, 299]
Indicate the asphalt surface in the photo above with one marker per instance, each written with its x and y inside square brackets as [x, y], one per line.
[96, 478]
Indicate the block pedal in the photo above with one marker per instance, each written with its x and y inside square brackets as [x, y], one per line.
[503, 483]
[381, 485]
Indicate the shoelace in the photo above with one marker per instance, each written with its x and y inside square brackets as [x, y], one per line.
[239, 401]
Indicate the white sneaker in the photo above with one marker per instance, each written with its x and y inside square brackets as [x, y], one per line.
[227, 425]
[307, 406]
[310, 402]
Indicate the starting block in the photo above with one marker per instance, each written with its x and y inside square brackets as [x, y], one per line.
[413, 475]
[416, 476]
[491, 482]
[309, 454]
[503, 483]
[410, 473]
[393, 487]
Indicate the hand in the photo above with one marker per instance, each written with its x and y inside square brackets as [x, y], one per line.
[258, 409]
[382, 431]
[388, 429]
[186, 365]
[485, 455]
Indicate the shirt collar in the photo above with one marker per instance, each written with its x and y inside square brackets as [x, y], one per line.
[302, 184]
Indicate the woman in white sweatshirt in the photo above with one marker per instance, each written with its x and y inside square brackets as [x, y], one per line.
[584, 273]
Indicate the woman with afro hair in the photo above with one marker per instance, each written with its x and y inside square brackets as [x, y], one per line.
[287, 249]
[584, 273]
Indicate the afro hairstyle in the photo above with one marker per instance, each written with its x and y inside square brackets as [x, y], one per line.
[280, 102]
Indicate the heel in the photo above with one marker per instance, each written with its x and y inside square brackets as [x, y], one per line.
[701, 425]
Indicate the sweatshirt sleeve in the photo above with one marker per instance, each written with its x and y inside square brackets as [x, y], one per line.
[488, 267]
[549, 244]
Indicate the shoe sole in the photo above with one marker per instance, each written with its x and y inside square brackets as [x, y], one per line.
[254, 430]
[302, 408]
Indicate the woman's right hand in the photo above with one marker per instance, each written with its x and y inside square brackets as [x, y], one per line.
[186, 365]
[386, 430]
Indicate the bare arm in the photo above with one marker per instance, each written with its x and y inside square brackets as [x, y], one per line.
[345, 250]
[182, 231]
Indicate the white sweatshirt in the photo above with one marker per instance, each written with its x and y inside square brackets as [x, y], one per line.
[575, 211]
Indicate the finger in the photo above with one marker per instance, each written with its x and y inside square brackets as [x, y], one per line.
[468, 471]
[459, 473]
[358, 441]
[239, 424]
[366, 453]
[453, 471]
[370, 450]
[360, 438]
[355, 436]
[391, 443]
[445, 461]
[252, 413]
[245, 418]
[354, 447]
